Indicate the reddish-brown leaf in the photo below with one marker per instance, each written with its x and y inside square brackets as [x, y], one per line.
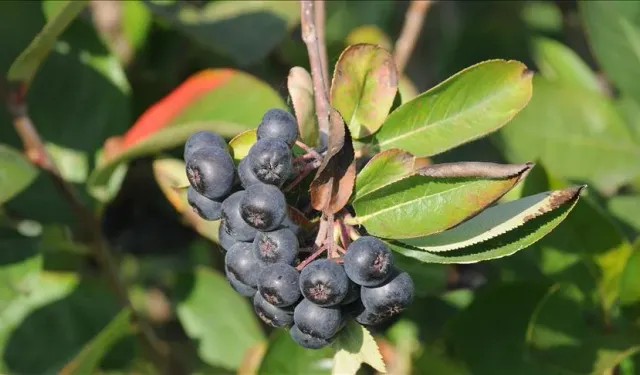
[332, 187]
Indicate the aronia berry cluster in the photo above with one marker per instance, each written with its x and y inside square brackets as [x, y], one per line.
[262, 242]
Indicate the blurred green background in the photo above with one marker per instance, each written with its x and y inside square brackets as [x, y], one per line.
[567, 305]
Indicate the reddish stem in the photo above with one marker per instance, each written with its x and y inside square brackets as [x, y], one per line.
[311, 258]
[304, 172]
[344, 234]
[309, 150]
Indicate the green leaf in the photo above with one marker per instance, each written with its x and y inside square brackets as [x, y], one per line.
[432, 198]
[300, 86]
[16, 173]
[626, 208]
[365, 82]
[561, 334]
[355, 346]
[24, 68]
[629, 287]
[285, 357]
[32, 298]
[386, 168]
[501, 245]
[241, 144]
[490, 334]
[575, 133]
[467, 106]
[560, 63]
[614, 36]
[246, 31]
[87, 361]
[495, 221]
[220, 320]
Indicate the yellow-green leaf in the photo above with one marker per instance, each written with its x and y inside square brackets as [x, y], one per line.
[365, 82]
[355, 346]
[16, 173]
[300, 88]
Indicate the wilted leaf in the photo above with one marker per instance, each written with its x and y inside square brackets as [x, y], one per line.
[16, 173]
[300, 88]
[24, 68]
[246, 31]
[90, 356]
[355, 346]
[365, 82]
[502, 245]
[575, 133]
[490, 334]
[284, 356]
[332, 186]
[221, 320]
[613, 31]
[434, 198]
[559, 63]
[495, 221]
[467, 106]
[561, 334]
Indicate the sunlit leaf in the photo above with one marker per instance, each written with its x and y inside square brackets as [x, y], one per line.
[300, 88]
[355, 346]
[16, 173]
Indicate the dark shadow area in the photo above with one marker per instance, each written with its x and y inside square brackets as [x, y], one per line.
[52, 335]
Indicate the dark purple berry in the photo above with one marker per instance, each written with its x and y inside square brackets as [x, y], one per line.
[202, 139]
[307, 341]
[368, 261]
[211, 172]
[233, 222]
[271, 161]
[324, 282]
[246, 175]
[278, 246]
[206, 208]
[263, 207]
[317, 321]
[278, 124]
[270, 314]
[240, 262]
[239, 286]
[390, 298]
[278, 284]
[352, 294]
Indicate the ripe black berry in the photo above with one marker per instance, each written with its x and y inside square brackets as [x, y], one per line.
[278, 284]
[317, 321]
[263, 207]
[391, 298]
[240, 262]
[324, 282]
[353, 293]
[278, 246]
[225, 240]
[206, 208]
[368, 261]
[307, 341]
[233, 222]
[202, 139]
[246, 175]
[271, 161]
[278, 124]
[270, 314]
[211, 172]
[239, 286]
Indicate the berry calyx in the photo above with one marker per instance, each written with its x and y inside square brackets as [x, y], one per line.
[270, 314]
[324, 282]
[234, 224]
[368, 261]
[278, 246]
[263, 207]
[278, 284]
[390, 298]
[271, 161]
[211, 172]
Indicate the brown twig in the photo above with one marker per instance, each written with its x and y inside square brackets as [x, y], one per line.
[39, 156]
[413, 21]
[308, 150]
[311, 40]
[310, 258]
[319, 21]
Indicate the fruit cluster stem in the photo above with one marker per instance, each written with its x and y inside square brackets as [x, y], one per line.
[38, 155]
